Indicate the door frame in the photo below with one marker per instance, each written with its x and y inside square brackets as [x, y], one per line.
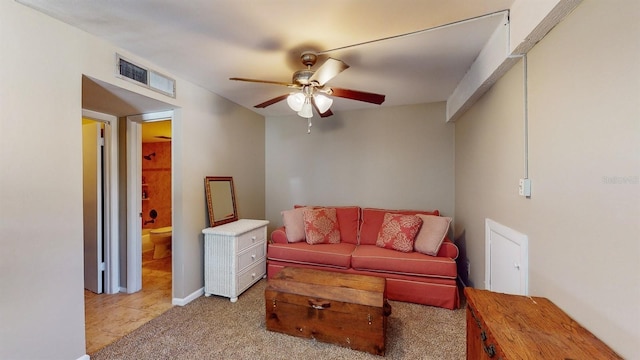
[134, 194]
[111, 283]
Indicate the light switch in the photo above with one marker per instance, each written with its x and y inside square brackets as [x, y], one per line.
[524, 187]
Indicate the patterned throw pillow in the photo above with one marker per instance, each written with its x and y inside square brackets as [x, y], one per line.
[321, 226]
[398, 232]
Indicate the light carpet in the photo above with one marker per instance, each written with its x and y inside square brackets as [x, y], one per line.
[215, 328]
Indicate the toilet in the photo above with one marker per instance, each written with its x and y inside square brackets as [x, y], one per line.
[161, 239]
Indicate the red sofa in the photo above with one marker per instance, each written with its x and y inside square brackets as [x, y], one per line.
[411, 276]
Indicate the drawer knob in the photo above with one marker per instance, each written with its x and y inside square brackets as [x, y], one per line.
[253, 257]
[253, 238]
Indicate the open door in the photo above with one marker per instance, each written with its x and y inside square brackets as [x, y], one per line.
[92, 160]
[134, 195]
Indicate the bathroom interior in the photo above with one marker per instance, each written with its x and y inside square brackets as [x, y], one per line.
[156, 196]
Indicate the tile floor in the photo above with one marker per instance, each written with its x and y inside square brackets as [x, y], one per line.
[110, 317]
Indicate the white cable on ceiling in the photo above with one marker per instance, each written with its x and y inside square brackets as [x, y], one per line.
[415, 32]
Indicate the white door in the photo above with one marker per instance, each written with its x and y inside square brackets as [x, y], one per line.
[92, 144]
[134, 196]
[506, 259]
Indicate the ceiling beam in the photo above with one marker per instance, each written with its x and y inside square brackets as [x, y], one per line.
[528, 23]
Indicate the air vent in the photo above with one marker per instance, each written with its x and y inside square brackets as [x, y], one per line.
[145, 77]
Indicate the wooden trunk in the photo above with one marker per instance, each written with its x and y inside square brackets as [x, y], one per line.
[343, 309]
[502, 326]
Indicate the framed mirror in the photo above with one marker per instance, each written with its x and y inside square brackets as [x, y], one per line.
[221, 199]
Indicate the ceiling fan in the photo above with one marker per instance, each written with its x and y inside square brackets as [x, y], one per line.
[312, 88]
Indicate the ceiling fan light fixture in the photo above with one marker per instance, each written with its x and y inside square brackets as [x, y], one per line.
[311, 82]
[296, 101]
[306, 111]
[322, 102]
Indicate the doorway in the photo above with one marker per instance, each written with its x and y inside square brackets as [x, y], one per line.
[110, 317]
[93, 204]
[142, 211]
[100, 174]
[114, 313]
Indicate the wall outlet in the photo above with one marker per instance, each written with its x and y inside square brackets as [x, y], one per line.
[524, 187]
[468, 268]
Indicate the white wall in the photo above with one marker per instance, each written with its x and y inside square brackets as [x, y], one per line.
[41, 260]
[584, 145]
[396, 157]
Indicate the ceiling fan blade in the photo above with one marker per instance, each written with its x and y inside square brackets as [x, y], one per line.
[272, 101]
[266, 82]
[315, 106]
[357, 95]
[327, 114]
[328, 70]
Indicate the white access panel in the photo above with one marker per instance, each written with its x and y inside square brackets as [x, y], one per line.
[507, 269]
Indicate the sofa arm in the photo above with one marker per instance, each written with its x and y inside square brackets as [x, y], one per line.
[447, 249]
[279, 236]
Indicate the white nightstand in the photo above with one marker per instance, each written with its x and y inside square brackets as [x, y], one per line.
[235, 257]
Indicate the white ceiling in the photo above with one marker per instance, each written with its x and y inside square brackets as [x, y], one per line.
[208, 41]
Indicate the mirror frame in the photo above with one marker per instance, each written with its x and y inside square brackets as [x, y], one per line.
[211, 197]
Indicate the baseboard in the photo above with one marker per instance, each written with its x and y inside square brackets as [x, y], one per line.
[84, 357]
[184, 301]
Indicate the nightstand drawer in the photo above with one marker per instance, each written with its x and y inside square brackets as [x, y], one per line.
[251, 275]
[251, 256]
[251, 238]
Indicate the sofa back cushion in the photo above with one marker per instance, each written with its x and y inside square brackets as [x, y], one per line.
[348, 222]
[372, 222]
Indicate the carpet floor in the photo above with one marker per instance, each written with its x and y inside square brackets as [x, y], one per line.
[215, 328]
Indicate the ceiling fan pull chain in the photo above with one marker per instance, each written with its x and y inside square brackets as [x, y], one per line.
[309, 125]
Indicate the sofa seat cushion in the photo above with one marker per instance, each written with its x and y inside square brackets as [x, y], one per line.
[374, 258]
[335, 255]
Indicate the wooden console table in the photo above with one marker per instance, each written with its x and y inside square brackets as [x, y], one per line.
[502, 326]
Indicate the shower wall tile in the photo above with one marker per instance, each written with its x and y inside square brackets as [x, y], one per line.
[157, 178]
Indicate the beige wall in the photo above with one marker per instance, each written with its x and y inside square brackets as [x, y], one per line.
[584, 154]
[41, 259]
[396, 157]
[218, 138]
